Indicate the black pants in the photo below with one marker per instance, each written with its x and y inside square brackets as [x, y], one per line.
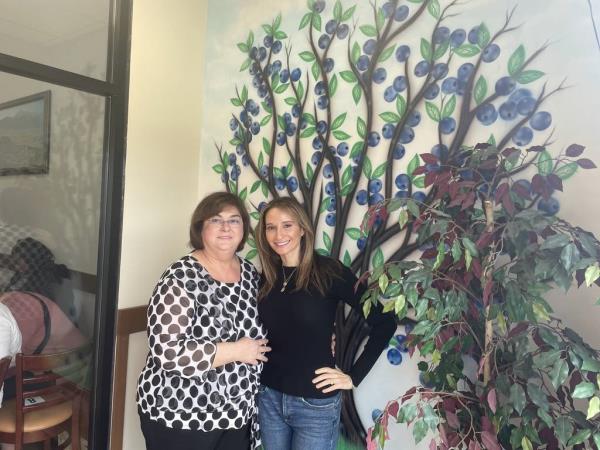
[160, 437]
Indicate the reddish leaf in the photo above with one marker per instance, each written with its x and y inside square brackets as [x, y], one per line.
[452, 420]
[555, 181]
[491, 399]
[482, 146]
[490, 441]
[487, 290]
[428, 158]
[430, 178]
[476, 268]
[521, 326]
[418, 171]
[585, 163]
[501, 191]
[457, 200]
[539, 185]
[538, 339]
[536, 148]
[432, 444]
[521, 190]
[575, 380]
[393, 409]
[509, 206]
[409, 394]
[510, 151]
[469, 201]
[574, 150]
[474, 445]
[580, 277]
[486, 425]
[449, 405]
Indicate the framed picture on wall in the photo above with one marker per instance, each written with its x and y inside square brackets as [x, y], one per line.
[25, 135]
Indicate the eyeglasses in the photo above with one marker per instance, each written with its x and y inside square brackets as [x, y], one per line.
[233, 222]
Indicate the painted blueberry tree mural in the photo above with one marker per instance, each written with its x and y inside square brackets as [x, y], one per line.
[373, 110]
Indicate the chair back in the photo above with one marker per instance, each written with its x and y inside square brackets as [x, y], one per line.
[47, 380]
[4, 363]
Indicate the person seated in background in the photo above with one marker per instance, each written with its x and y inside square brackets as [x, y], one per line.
[10, 340]
[34, 269]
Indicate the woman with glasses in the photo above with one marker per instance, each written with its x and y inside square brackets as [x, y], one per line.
[300, 394]
[207, 348]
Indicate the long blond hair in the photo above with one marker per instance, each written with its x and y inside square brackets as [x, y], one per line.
[309, 272]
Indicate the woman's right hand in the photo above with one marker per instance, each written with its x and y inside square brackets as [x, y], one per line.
[252, 351]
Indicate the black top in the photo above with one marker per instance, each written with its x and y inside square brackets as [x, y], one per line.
[299, 327]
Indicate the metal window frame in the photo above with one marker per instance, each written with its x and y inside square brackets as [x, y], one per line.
[115, 90]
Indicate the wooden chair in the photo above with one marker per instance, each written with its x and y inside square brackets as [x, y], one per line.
[47, 398]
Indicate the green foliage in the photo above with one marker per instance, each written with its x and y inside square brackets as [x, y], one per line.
[478, 292]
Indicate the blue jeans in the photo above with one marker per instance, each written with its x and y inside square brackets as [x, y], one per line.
[288, 422]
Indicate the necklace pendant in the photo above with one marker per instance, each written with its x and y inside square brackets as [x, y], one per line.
[283, 286]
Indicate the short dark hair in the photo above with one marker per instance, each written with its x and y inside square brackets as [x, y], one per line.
[210, 206]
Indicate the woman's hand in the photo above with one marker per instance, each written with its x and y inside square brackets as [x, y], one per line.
[252, 351]
[331, 379]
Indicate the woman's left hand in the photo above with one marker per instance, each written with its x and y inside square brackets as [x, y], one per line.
[331, 379]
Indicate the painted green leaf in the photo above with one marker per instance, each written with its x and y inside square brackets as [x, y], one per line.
[290, 101]
[308, 132]
[379, 171]
[356, 149]
[305, 20]
[483, 35]
[218, 168]
[317, 22]
[361, 127]
[441, 49]
[516, 60]
[390, 117]
[255, 186]
[584, 389]
[264, 188]
[597, 439]
[341, 135]
[544, 163]
[403, 218]
[567, 170]
[368, 30]
[529, 76]
[338, 121]
[277, 22]
[307, 56]
[448, 108]
[356, 93]
[412, 165]
[268, 29]
[243, 47]
[480, 90]
[526, 443]
[348, 13]
[243, 194]
[348, 75]
[280, 35]
[379, 19]
[355, 52]
[467, 50]
[309, 172]
[432, 111]
[425, 49]
[333, 83]
[300, 90]
[353, 233]
[245, 64]
[456, 251]
[386, 54]
[547, 418]
[251, 254]
[337, 11]
[367, 168]
[281, 88]
[315, 70]
[265, 120]
[419, 182]
[235, 102]
[400, 105]
[327, 241]
[470, 246]
[347, 261]
[434, 8]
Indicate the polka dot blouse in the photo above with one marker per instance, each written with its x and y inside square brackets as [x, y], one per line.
[189, 313]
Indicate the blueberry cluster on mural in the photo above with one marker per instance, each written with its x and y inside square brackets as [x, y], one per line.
[288, 137]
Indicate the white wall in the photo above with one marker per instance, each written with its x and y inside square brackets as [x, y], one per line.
[162, 172]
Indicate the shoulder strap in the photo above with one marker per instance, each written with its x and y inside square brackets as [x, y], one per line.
[47, 324]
